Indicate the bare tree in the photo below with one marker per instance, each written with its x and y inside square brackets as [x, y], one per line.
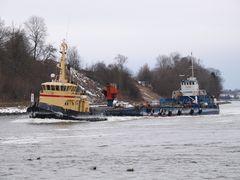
[48, 52]
[3, 32]
[144, 74]
[121, 60]
[36, 31]
[164, 62]
[73, 57]
[175, 57]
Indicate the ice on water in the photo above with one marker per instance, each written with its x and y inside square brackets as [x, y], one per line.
[183, 147]
[12, 110]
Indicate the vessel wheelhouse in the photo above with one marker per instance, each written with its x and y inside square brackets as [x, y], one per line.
[64, 95]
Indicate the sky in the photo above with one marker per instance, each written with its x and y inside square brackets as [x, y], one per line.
[140, 29]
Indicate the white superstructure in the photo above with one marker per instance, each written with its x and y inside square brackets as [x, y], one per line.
[189, 87]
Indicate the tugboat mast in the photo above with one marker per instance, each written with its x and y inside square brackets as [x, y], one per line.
[62, 66]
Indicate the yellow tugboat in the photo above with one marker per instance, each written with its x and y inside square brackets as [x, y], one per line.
[60, 99]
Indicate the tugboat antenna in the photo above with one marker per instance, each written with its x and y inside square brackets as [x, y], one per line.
[192, 65]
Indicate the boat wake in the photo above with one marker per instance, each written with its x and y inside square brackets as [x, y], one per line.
[22, 140]
[44, 121]
[55, 121]
[124, 118]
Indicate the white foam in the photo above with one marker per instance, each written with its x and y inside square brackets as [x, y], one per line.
[43, 121]
[124, 118]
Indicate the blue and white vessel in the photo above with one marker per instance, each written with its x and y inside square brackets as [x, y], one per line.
[193, 100]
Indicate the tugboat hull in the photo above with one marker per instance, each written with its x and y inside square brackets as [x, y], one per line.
[43, 110]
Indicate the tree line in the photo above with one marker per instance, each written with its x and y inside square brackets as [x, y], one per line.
[170, 70]
[27, 60]
[116, 73]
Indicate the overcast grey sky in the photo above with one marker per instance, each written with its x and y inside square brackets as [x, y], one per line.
[141, 29]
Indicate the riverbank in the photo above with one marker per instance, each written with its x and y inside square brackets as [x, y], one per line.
[14, 104]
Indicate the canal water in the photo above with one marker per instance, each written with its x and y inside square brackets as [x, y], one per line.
[184, 147]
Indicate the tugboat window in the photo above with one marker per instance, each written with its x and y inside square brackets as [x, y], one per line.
[48, 87]
[57, 88]
[53, 87]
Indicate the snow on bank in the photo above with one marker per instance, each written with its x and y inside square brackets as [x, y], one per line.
[91, 88]
[13, 110]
